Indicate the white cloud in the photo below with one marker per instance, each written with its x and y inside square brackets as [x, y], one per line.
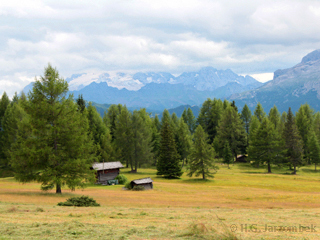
[249, 36]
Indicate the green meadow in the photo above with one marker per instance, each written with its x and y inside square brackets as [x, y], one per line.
[242, 202]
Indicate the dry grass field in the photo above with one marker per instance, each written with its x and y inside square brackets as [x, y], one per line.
[239, 203]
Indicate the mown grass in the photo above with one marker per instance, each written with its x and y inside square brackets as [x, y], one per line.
[186, 208]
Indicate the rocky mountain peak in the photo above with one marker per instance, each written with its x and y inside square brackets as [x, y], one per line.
[313, 56]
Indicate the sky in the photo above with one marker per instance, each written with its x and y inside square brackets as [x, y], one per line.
[249, 37]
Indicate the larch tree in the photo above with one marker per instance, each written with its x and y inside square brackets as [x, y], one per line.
[259, 112]
[52, 143]
[201, 158]
[227, 154]
[246, 118]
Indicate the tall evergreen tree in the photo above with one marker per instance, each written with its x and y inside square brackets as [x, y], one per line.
[184, 140]
[123, 135]
[246, 118]
[314, 149]
[231, 129]
[201, 161]
[155, 138]
[81, 103]
[168, 164]
[274, 117]
[293, 142]
[141, 139]
[110, 118]
[210, 115]
[259, 112]
[52, 145]
[304, 122]
[4, 103]
[227, 154]
[265, 144]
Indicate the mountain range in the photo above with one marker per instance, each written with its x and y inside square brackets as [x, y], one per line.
[289, 88]
[160, 90]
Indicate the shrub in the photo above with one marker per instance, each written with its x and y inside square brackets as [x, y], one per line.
[138, 188]
[128, 185]
[83, 201]
[122, 179]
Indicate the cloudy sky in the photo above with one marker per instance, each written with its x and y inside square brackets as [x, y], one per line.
[249, 37]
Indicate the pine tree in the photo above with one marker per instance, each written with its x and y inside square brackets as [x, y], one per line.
[168, 164]
[227, 154]
[293, 142]
[314, 149]
[4, 103]
[246, 118]
[231, 129]
[274, 117]
[123, 135]
[304, 122]
[52, 143]
[155, 138]
[184, 140]
[259, 112]
[201, 160]
[141, 139]
[210, 115]
[81, 103]
[265, 144]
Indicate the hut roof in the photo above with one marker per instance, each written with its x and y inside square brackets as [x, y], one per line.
[107, 165]
[142, 180]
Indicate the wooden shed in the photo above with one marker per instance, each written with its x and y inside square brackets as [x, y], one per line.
[107, 171]
[144, 182]
[241, 158]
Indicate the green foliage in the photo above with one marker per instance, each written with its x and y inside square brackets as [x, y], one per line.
[231, 130]
[227, 154]
[122, 179]
[293, 142]
[265, 145]
[246, 117]
[314, 149]
[138, 188]
[128, 186]
[168, 164]
[83, 201]
[81, 103]
[259, 112]
[201, 160]
[52, 143]
[210, 115]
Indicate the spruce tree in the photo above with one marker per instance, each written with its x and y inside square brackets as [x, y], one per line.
[168, 164]
[52, 143]
[293, 142]
[201, 158]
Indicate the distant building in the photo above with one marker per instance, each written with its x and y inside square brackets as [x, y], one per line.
[144, 182]
[107, 171]
[241, 158]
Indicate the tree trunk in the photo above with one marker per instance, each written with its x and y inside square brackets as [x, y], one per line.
[294, 169]
[269, 167]
[58, 188]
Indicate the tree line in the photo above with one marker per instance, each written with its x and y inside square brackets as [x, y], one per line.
[52, 138]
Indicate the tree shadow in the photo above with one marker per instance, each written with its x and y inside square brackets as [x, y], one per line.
[42, 194]
[197, 180]
[310, 170]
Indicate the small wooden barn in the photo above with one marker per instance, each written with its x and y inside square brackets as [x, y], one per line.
[107, 171]
[241, 158]
[144, 182]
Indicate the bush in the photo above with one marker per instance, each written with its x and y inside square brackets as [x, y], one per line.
[128, 185]
[83, 201]
[138, 188]
[122, 179]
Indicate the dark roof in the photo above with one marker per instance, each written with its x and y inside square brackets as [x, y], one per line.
[107, 165]
[239, 156]
[142, 181]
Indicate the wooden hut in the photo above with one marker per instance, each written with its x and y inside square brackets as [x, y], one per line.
[107, 171]
[241, 158]
[144, 182]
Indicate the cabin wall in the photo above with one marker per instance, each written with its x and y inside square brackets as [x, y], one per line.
[105, 175]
